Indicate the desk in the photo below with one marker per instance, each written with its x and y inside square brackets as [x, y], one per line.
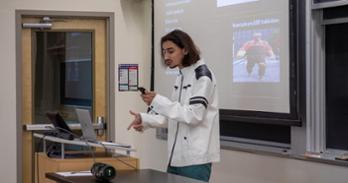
[47, 164]
[128, 176]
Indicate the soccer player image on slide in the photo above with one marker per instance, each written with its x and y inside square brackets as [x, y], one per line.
[255, 52]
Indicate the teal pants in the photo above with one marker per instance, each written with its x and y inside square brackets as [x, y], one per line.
[200, 172]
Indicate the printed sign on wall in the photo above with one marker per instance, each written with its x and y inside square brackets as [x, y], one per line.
[128, 77]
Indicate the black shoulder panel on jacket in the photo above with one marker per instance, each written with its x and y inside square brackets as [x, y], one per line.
[203, 70]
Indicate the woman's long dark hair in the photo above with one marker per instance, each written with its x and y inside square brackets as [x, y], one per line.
[184, 41]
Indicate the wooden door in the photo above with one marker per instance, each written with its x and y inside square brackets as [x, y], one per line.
[96, 28]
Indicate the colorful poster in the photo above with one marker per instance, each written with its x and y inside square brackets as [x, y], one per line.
[128, 77]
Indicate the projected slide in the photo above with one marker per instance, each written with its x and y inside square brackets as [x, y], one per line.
[222, 3]
[246, 45]
[256, 51]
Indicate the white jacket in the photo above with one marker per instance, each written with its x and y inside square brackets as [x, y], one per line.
[192, 117]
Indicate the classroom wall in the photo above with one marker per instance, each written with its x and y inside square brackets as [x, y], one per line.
[151, 151]
[132, 45]
[7, 95]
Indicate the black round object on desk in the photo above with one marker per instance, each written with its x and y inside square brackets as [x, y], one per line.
[103, 172]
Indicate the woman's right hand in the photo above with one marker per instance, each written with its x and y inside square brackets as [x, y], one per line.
[136, 123]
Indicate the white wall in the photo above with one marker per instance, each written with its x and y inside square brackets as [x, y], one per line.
[152, 152]
[7, 95]
[132, 45]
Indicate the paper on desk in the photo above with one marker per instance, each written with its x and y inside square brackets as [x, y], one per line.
[75, 173]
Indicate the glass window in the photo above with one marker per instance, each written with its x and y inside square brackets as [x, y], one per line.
[336, 86]
[63, 73]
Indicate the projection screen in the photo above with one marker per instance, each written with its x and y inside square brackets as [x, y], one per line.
[244, 42]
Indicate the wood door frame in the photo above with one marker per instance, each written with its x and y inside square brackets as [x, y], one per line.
[110, 71]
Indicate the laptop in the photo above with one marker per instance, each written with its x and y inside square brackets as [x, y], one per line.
[88, 132]
[87, 129]
[62, 128]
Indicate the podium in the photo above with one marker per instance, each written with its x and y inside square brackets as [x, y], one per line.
[78, 162]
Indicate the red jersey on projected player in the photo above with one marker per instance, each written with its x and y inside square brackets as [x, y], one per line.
[257, 49]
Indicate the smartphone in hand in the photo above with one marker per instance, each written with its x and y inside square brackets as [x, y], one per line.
[142, 90]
